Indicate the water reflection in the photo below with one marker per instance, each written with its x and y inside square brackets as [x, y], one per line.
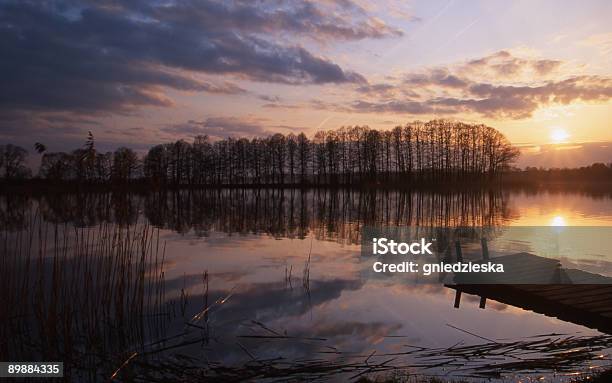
[254, 245]
[331, 214]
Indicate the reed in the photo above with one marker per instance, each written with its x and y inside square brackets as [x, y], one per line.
[86, 296]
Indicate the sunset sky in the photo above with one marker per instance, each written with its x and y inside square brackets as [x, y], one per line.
[137, 73]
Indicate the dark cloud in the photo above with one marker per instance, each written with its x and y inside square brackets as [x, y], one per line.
[92, 56]
[402, 107]
[385, 90]
[514, 107]
[272, 99]
[276, 105]
[62, 131]
[485, 60]
[25, 128]
[522, 101]
[441, 91]
[543, 67]
[503, 63]
[223, 127]
[376, 88]
[499, 101]
[437, 77]
[218, 127]
[337, 20]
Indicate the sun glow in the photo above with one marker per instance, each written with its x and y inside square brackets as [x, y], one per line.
[558, 220]
[558, 135]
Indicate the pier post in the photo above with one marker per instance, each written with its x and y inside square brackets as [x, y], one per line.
[458, 251]
[483, 302]
[457, 298]
[485, 248]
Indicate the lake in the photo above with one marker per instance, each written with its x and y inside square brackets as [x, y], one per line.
[263, 274]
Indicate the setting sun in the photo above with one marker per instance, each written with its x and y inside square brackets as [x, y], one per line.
[558, 220]
[559, 135]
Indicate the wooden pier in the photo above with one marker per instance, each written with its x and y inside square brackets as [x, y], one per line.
[586, 305]
[541, 285]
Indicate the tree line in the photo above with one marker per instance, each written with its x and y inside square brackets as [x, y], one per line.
[438, 149]
[596, 173]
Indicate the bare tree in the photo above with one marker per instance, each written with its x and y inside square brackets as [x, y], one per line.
[125, 165]
[438, 150]
[12, 159]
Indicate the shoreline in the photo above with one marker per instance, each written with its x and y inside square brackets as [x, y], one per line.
[39, 186]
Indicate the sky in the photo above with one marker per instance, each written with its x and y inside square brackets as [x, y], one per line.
[137, 73]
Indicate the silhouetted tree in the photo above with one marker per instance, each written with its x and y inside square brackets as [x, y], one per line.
[155, 164]
[12, 161]
[303, 148]
[57, 166]
[439, 150]
[125, 165]
[40, 148]
[103, 166]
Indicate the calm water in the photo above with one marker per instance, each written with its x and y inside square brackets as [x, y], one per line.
[254, 247]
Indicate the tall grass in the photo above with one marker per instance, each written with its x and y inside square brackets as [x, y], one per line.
[84, 296]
